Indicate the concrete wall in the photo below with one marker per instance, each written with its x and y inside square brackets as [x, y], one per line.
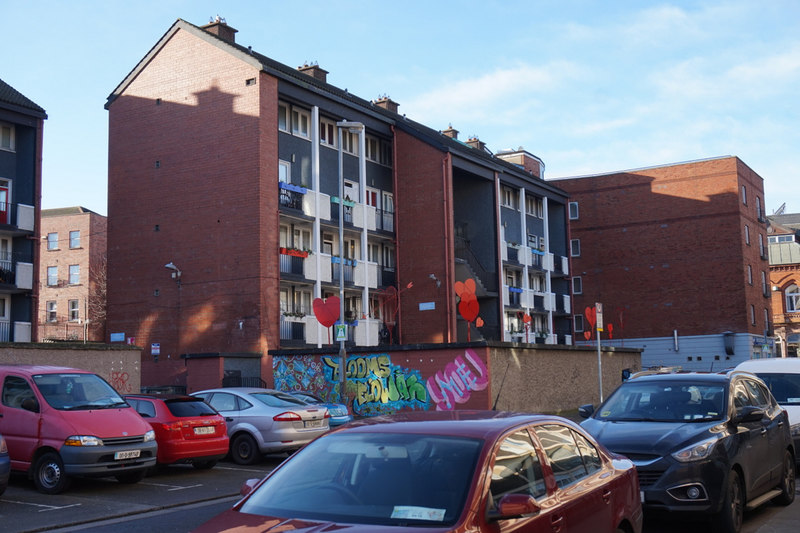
[119, 365]
[554, 379]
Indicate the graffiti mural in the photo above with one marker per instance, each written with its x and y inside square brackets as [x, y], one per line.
[456, 383]
[303, 373]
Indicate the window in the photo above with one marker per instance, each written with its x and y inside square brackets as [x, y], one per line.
[573, 211]
[793, 299]
[752, 314]
[577, 285]
[283, 117]
[7, 141]
[591, 459]
[747, 235]
[301, 121]
[534, 206]
[15, 391]
[74, 314]
[75, 239]
[758, 208]
[780, 238]
[52, 276]
[284, 171]
[758, 393]
[749, 274]
[52, 309]
[764, 283]
[761, 245]
[386, 153]
[578, 323]
[371, 147]
[74, 274]
[350, 142]
[327, 133]
[565, 458]
[575, 247]
[509, 197]
[516, 469]
[766, 318]
[52, 241]
[744, 195]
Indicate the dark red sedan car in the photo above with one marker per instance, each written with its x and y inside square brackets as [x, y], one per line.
[188, 430]
[445, 471]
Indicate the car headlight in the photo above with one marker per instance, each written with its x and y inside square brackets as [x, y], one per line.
[795, 429]
[83, 440]
[697, 451]
[150, 435]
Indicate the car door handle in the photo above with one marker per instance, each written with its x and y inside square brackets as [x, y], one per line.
[557, 522]
[228, 419]
[607, 495]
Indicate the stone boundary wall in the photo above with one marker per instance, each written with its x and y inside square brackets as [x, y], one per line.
[120, 365]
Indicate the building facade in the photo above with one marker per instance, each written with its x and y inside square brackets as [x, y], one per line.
[228, 220]
[784, 278]
[677, 256]
[21, 134]
[72, 279]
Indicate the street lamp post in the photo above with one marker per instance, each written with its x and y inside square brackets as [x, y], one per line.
[351, 127]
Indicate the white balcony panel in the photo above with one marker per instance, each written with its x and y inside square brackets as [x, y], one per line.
[568, 340]
[550, 301]
[25, 217]
[367, 332]
[504, 251]
[567, 304]
[548, 262]
[565, 265]
[325, 272]
[24, 276]
[22, 332]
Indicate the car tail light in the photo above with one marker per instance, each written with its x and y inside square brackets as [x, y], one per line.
[327, 414]
[175, 426]
[288, 416]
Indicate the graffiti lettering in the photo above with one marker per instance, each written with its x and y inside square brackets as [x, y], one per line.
[396, 388]
[360, 367]
[458, 380]
[119, 380]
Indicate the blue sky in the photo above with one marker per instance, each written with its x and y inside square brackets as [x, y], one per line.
[588, 86]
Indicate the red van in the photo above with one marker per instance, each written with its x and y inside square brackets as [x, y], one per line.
[61, 422]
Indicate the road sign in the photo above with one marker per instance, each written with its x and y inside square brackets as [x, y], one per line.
[341, 332]
[599, 308]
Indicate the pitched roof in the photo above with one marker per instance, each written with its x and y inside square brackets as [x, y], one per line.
[65, 211]
[14, 99]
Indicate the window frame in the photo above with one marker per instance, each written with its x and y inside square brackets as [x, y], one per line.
[301, 122]
[75, 238]
[327, 128]
[284, 113]
[744, 194]
[792, 298]
[577, 285]
[52, 276]
[577, 213]
[12, 137]
[575, 247]
[74, 275]
[372, 150]
[52, 240]
[74, 310]
[578, 323]
[747, 235]
[51, 311]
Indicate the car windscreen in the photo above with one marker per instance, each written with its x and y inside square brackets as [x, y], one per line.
[665, 401]
[77, 391]
[372, 478]
[188, 408]
[784, 387]
[277, 399]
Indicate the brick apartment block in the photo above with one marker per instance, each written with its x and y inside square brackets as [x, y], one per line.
[677, 256]
[784, 279]
[72, 278]
[224, 212]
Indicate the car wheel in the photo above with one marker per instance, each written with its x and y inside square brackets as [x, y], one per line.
[48, 474]
[788, 481]
[132, 477]
[729, 519]
[244, 450]
[204, 465]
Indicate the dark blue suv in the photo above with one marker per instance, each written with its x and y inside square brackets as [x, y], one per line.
[702, 443]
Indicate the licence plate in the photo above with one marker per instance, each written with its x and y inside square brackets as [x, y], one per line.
[204, 430]
[131, 454]
[313, 423]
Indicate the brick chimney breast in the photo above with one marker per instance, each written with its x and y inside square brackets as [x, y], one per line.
[315, 71]
[221, 29]
[387, 103]
[476, 143]
[451, 132]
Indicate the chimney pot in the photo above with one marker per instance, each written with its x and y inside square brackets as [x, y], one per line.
[451, 132]
[476, 143]
[315, 72]
[221, 29]
[387, 103]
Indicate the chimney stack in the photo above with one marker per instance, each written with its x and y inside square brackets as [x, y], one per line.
[523, 159]
[220, 28]
[387, 103]
[476, 143]
[451, 132]
[314, 71]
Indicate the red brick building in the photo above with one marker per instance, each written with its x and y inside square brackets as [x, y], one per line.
[72, 279]
[784, 278]
[224, 216]
[677, 256]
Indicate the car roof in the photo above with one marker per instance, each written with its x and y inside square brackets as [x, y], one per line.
[720, 377]
[43, 369]
[772, 364]
[240, 390]
[181, 397]
[475, 424]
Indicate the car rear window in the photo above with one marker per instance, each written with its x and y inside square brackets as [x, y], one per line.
[185, 408]
[277, 399]
[784, 387]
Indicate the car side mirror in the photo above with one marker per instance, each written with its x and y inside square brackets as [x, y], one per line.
[586, 410]
[748, 413]
[248, 486]
[30, 404]
[515, 506]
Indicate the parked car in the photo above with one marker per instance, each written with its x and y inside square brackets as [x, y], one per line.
[61, 422]
[782, 376]
[264, 421]
[188, 430]
[704, 444]
[338, 411]
[5, 465]
[437, 471]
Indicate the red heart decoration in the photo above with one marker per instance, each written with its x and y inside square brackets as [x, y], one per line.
[469, 307]
[479, 322]
[327, 311]
[526, 318]
[591, 316]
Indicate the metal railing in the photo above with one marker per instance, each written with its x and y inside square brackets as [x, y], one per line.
[465, 253]
[291, 264]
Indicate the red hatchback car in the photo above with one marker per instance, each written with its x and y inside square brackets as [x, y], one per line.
[188, 430]
[462, 471]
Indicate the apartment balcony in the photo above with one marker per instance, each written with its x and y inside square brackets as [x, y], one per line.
[388, 276]
[17, 219]
[560, 266]
[16, 272]
[384, 220]
[361, 332]
[532, 258]
[365, 274]
[15, 331]
[303, 201]
[348, 268]
[512, 296]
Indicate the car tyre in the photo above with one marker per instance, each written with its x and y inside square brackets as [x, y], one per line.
[244, 450]
[730, 517]
[132, 477]
[204, 465]
[48, 474]
[788, 481]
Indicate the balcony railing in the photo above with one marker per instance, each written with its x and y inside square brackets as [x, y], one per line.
[291, 196]
[384, 220]
[5, 331]
[349, 268]
[348, 210]
[293, 330]
[19, 215]
[291, 264]
[388, 277]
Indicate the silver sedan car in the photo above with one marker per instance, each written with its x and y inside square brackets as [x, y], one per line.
[265, 421]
